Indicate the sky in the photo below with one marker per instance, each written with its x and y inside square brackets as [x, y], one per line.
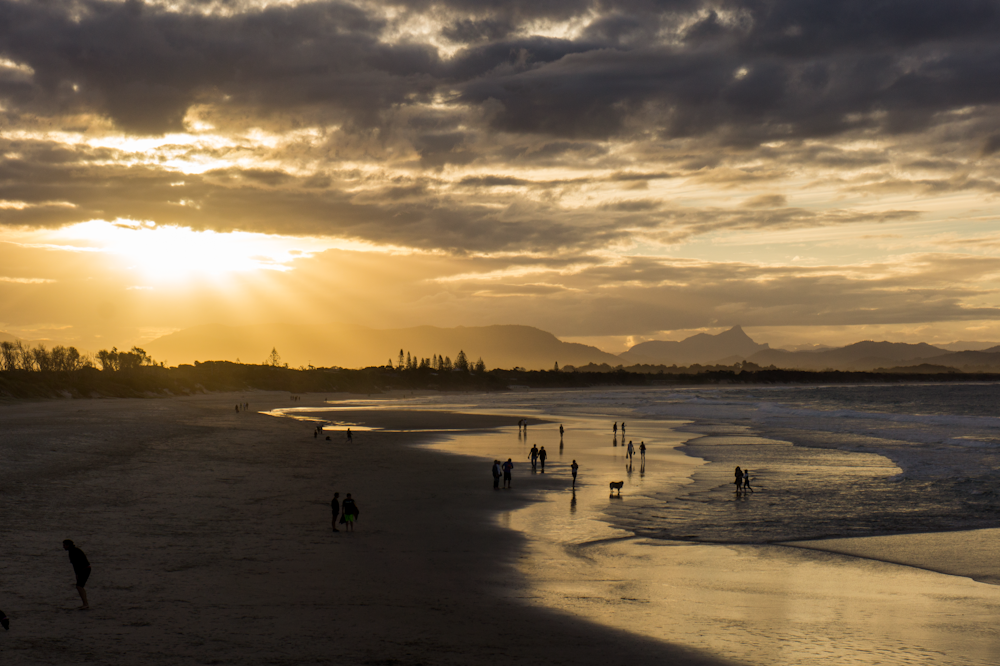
[816, 171]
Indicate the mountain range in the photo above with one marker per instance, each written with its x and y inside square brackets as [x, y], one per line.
[509, 346]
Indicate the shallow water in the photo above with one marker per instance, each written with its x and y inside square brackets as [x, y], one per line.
[759, 603]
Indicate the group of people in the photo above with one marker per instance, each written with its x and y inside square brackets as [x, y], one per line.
[242, 407]
[614, 430]
[742, 480]
[522, 425]
[348, 512]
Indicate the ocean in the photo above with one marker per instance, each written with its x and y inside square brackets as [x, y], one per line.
[905, 475]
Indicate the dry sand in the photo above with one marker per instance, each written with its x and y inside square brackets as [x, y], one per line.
[209, 535]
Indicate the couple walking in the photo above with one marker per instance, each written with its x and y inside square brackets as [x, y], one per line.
[742, 480]
[502, 470]
[349, 512]
[535, 455]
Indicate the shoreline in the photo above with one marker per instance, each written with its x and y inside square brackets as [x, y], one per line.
[210, 539]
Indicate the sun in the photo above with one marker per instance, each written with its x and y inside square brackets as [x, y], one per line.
[158, 254]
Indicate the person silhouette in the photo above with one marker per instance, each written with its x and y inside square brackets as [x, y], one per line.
[623, 431]
[631, 450]
[335, 508]
[533, 456]
[507, 467]
[561, 431]
[496, 475]
[351, 512]
[739, 479]
[614, 429]
[746, 480]
[542, 455]
[573, 468]
[642, 450]
[81, 567]
[350, 440]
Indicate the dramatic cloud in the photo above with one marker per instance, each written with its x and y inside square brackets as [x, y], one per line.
[614, 168]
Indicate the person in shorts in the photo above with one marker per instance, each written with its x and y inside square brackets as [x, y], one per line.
[351, 512]
[81, 567]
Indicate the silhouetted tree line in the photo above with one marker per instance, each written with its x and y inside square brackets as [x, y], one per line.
[119, 378]
[437, 363]
[16, 356]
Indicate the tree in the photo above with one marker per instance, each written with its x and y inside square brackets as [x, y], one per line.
[273, 359]
[446, 364]
[402, 362]
[461, 362]
[480, 366]
[8, 356]
[108, 359]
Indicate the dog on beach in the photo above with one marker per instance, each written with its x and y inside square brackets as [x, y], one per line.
[616, 485]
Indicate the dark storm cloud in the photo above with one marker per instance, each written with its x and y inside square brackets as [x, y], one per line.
[751, 69]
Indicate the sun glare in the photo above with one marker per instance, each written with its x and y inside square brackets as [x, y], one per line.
[168, 253]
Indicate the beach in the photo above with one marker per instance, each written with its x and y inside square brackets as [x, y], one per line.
[209, 533]
[210, 536]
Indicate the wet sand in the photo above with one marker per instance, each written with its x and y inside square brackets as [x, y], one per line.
[210, 538]
[889, 600]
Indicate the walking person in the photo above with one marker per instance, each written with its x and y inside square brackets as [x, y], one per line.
[335, 508]
[350, 440]
[614, 429]
[573, 468]
[642, 450]
[739, 479]
[533, 456]
[542, 455]
[623, 430]
[507, 467]
[746, 480]
[631, 450]
[496, 475]
[81, 567]
[351, 513]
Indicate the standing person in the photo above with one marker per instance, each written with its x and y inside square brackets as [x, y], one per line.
[496, 475]
[623, 430]
[335, 508]
[81, 567]
[631, 450]
[349, 439]
[642, 450]
[746, 480]
[542, 455]
[739, 479]
[533, 456]
[507, 467]
[573, 469]
[614, 429]
[560, 431]
[351, 512]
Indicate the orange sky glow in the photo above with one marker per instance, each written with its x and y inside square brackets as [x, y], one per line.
[610, 173]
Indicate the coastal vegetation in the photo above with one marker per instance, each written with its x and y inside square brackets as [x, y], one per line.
[65, 373]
